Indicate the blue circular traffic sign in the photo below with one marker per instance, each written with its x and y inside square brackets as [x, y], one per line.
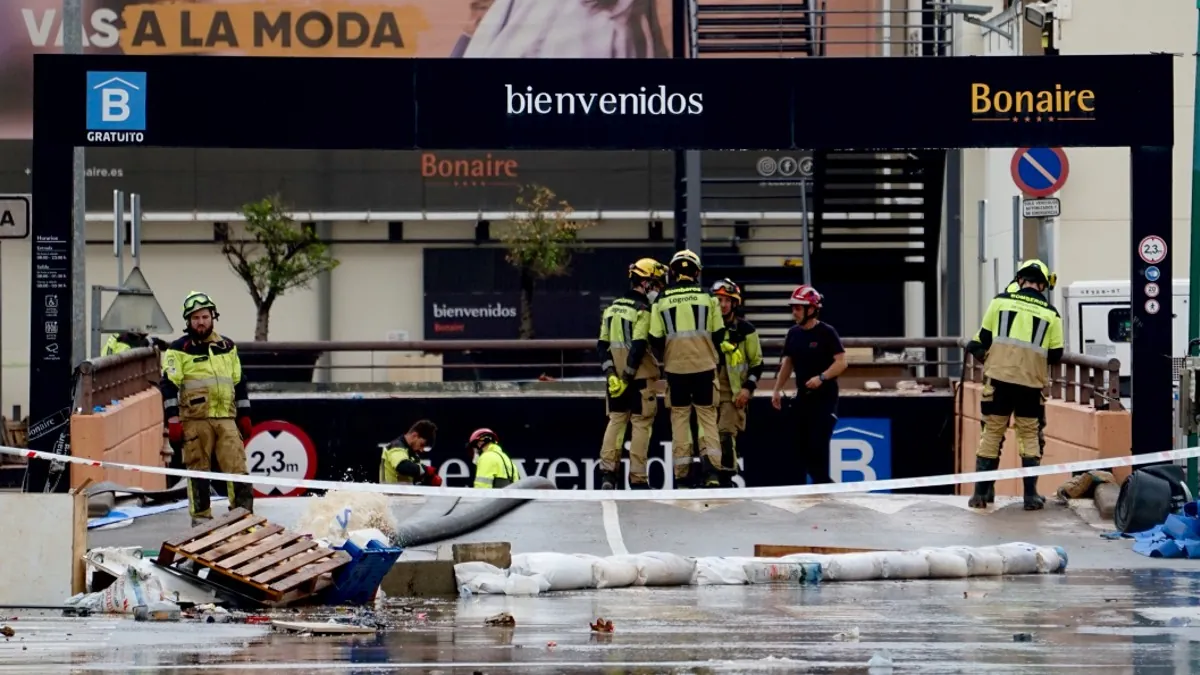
[1152, 273]
[1039, 172]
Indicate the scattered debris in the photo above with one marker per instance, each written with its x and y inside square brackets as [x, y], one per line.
[602, 626]
[501, 619]
[7, 631]
[852, 635]
[319, 628]
[974, 594]
[163, 610]
[551, 644]
[881, 663]
[1022, 637]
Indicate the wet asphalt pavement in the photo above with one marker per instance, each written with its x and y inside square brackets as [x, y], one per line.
[1138, 622]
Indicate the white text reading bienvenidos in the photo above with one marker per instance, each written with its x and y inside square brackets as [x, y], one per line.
[643, 102]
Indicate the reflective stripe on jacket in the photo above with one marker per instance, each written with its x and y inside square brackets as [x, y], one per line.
[1022, 335]
[203, 380]
[494, 465]
[392, 456]
[686, 324]
[747, 372]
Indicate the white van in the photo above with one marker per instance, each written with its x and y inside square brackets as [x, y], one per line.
[1097, 318]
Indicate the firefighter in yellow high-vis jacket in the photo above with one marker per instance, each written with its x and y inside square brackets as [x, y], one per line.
[737, 377]
[631, 373]
[686, 327]
[1020, 338]
[207, 405]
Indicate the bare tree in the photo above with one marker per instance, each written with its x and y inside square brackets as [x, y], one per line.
[540, 237]
[277, 255]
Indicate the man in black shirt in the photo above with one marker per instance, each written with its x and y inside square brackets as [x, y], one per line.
[813, 351]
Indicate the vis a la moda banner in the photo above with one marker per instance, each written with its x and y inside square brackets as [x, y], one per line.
[344, 28]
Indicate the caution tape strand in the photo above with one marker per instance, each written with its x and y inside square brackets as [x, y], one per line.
[776, 492]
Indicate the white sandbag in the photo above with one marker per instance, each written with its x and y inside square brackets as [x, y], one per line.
[714, 571]
[614, 573]
[1019, 558]
[465, 573]
[518, 584]
[782, 572]
[638, 564]
[903, 565]
[564, 572]
[981, 562]
[854, 567]
[945, 565]
[484, 584]
[819, 558]
[1048, 560]
[667, 569]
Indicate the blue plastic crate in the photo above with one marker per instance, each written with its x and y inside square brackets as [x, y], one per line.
[356, 583]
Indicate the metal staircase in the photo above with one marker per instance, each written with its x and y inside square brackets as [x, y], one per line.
[873, 220]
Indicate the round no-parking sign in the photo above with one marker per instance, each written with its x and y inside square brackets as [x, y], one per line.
[280, 450]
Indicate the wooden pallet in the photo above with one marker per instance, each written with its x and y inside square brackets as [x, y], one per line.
[272, 565]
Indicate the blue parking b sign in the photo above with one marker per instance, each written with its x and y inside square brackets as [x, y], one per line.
[861, 450]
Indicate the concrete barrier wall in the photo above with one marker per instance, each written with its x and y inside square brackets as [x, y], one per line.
[1074, 433]
[129, 432]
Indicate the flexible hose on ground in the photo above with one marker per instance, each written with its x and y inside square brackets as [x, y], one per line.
[465, 519]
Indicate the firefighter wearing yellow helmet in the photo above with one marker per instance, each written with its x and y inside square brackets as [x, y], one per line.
[206, 405]
[631, 372]
[737, 377]
[1013, 287]
[1020, 338]
[686, 328]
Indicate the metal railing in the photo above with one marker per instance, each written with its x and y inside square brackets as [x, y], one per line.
[819, 28]
[1076, 379]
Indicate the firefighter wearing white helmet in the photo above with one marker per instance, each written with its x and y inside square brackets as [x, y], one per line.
[686, 328]
[632, 373]
[207, 405]
[1020, 338]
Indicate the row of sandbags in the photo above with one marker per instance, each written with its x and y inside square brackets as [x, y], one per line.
[533, 573]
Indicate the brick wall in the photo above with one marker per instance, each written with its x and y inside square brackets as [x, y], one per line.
[129, 432]
[1074, 433]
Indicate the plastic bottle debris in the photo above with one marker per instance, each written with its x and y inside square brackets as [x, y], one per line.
[157, 611]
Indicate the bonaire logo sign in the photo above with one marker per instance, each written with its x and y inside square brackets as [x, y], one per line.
[1053, 104]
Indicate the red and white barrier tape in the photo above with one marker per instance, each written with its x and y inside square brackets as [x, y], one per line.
[778, 492]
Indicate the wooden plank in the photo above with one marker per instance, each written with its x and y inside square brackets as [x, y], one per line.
[291, 565]
[201, 530]
[311, 572]
[779, 550]
[79, 519]
[218, 536]
[275, 558]
[262, 548]
[239, 543]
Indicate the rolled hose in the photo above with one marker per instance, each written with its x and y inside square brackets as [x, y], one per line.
[464, 520]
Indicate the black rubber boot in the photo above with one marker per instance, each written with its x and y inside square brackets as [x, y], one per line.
[608, 480]
[1033, 501]
[712, 475]
[985, 491]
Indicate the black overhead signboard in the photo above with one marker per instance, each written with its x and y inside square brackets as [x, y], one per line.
[614, 104]
[653, 104]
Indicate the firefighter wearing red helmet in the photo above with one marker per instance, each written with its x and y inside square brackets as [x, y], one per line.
[686, 328]
[493, 468]
[738, 375]
[813, 352]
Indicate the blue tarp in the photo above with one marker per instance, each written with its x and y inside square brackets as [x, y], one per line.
[1179, 537]
[123, 513]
